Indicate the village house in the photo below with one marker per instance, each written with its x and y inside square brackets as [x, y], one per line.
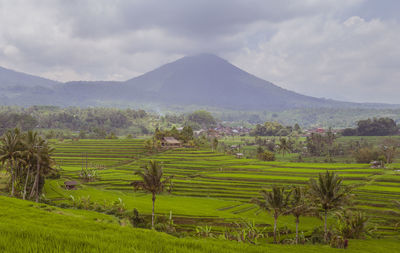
[170, 142]
[239, 155]
[70, 185]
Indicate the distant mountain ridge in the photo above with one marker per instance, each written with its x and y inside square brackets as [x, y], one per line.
[201, 80]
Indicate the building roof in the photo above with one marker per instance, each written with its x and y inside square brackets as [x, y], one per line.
[171, 140]
[70, 183]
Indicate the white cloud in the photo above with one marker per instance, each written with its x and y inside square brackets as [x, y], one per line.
[352, 60]
[313, 46]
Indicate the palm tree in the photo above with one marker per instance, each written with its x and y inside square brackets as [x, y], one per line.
[10, 154]
[276, 200]
[329, 193]
[40, 153]
[31, 142]
[299, 206]
[284, 146]
[152, 181]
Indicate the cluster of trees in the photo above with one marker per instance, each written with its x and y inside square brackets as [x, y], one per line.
[185, 136]
[322, 144]
[373, 127]
[27, 158]
[201, 119]
[308, 117]
[274, 129]
[10, 120]
[91, 122]
[385, 152]
[196, 120]
[321, 196]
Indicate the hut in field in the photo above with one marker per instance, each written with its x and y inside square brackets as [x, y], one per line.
[170, 142]
[70, 185]
[239, 155]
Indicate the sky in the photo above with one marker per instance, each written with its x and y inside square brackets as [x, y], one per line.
[340, 49]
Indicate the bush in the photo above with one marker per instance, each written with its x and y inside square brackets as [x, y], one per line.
[136, 219]
[353, 225]
[267, 156]
[366, 155]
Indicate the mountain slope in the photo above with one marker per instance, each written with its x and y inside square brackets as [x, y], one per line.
[209, 80]
[202, 80]
[24, 89]
[10, 78]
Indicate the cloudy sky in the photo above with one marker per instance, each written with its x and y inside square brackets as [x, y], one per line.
[340, 49]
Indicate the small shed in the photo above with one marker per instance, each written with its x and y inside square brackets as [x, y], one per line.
[70, 185]
[239, 155]
[170, 142]
[377, 164]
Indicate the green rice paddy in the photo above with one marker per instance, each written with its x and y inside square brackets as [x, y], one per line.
[210, 188]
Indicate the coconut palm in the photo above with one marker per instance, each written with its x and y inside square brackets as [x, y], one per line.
[284, 146]
[277, 201]
[329, 193]
[152, 181]
[31, 154]
[299, 206]
[10, 154]
[44, 164]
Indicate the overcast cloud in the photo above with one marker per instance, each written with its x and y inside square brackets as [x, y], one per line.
[340, 49]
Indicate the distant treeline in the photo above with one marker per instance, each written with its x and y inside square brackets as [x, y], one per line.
[309, 117]
[85, 120]
[373, 127]
[95, 123]
[274, 129]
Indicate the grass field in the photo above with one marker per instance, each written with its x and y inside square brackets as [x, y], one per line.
[31, 227]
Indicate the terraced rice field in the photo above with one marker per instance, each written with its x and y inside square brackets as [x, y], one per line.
[97, 152]
[216, 188]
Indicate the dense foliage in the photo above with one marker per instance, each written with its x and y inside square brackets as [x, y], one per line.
[89, 122]
[271, 129]
[373, 127]
[202, 118]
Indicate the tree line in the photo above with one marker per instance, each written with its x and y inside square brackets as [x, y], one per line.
[373, 127]
[91, 122]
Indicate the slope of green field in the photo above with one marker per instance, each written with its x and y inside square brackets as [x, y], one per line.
[211, 187]
[31, 227]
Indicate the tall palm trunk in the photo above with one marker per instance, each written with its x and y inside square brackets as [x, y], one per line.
[297, 229]
[38, 178]
[325, 226]
[152, 213]
[26, 182]
[35, 187]
[275, 225]
[12, 178]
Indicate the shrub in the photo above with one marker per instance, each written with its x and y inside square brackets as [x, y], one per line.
[267, 156]
[366, 155]
[352, 225]
[136, 219]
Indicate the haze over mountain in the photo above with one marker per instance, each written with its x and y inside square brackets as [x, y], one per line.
[202, 80]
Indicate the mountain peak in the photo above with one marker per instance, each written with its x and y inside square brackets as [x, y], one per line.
[203, 58]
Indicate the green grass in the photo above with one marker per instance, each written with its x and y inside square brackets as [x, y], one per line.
[31, 227]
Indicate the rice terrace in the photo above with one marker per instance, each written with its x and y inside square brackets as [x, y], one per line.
[200, 126]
